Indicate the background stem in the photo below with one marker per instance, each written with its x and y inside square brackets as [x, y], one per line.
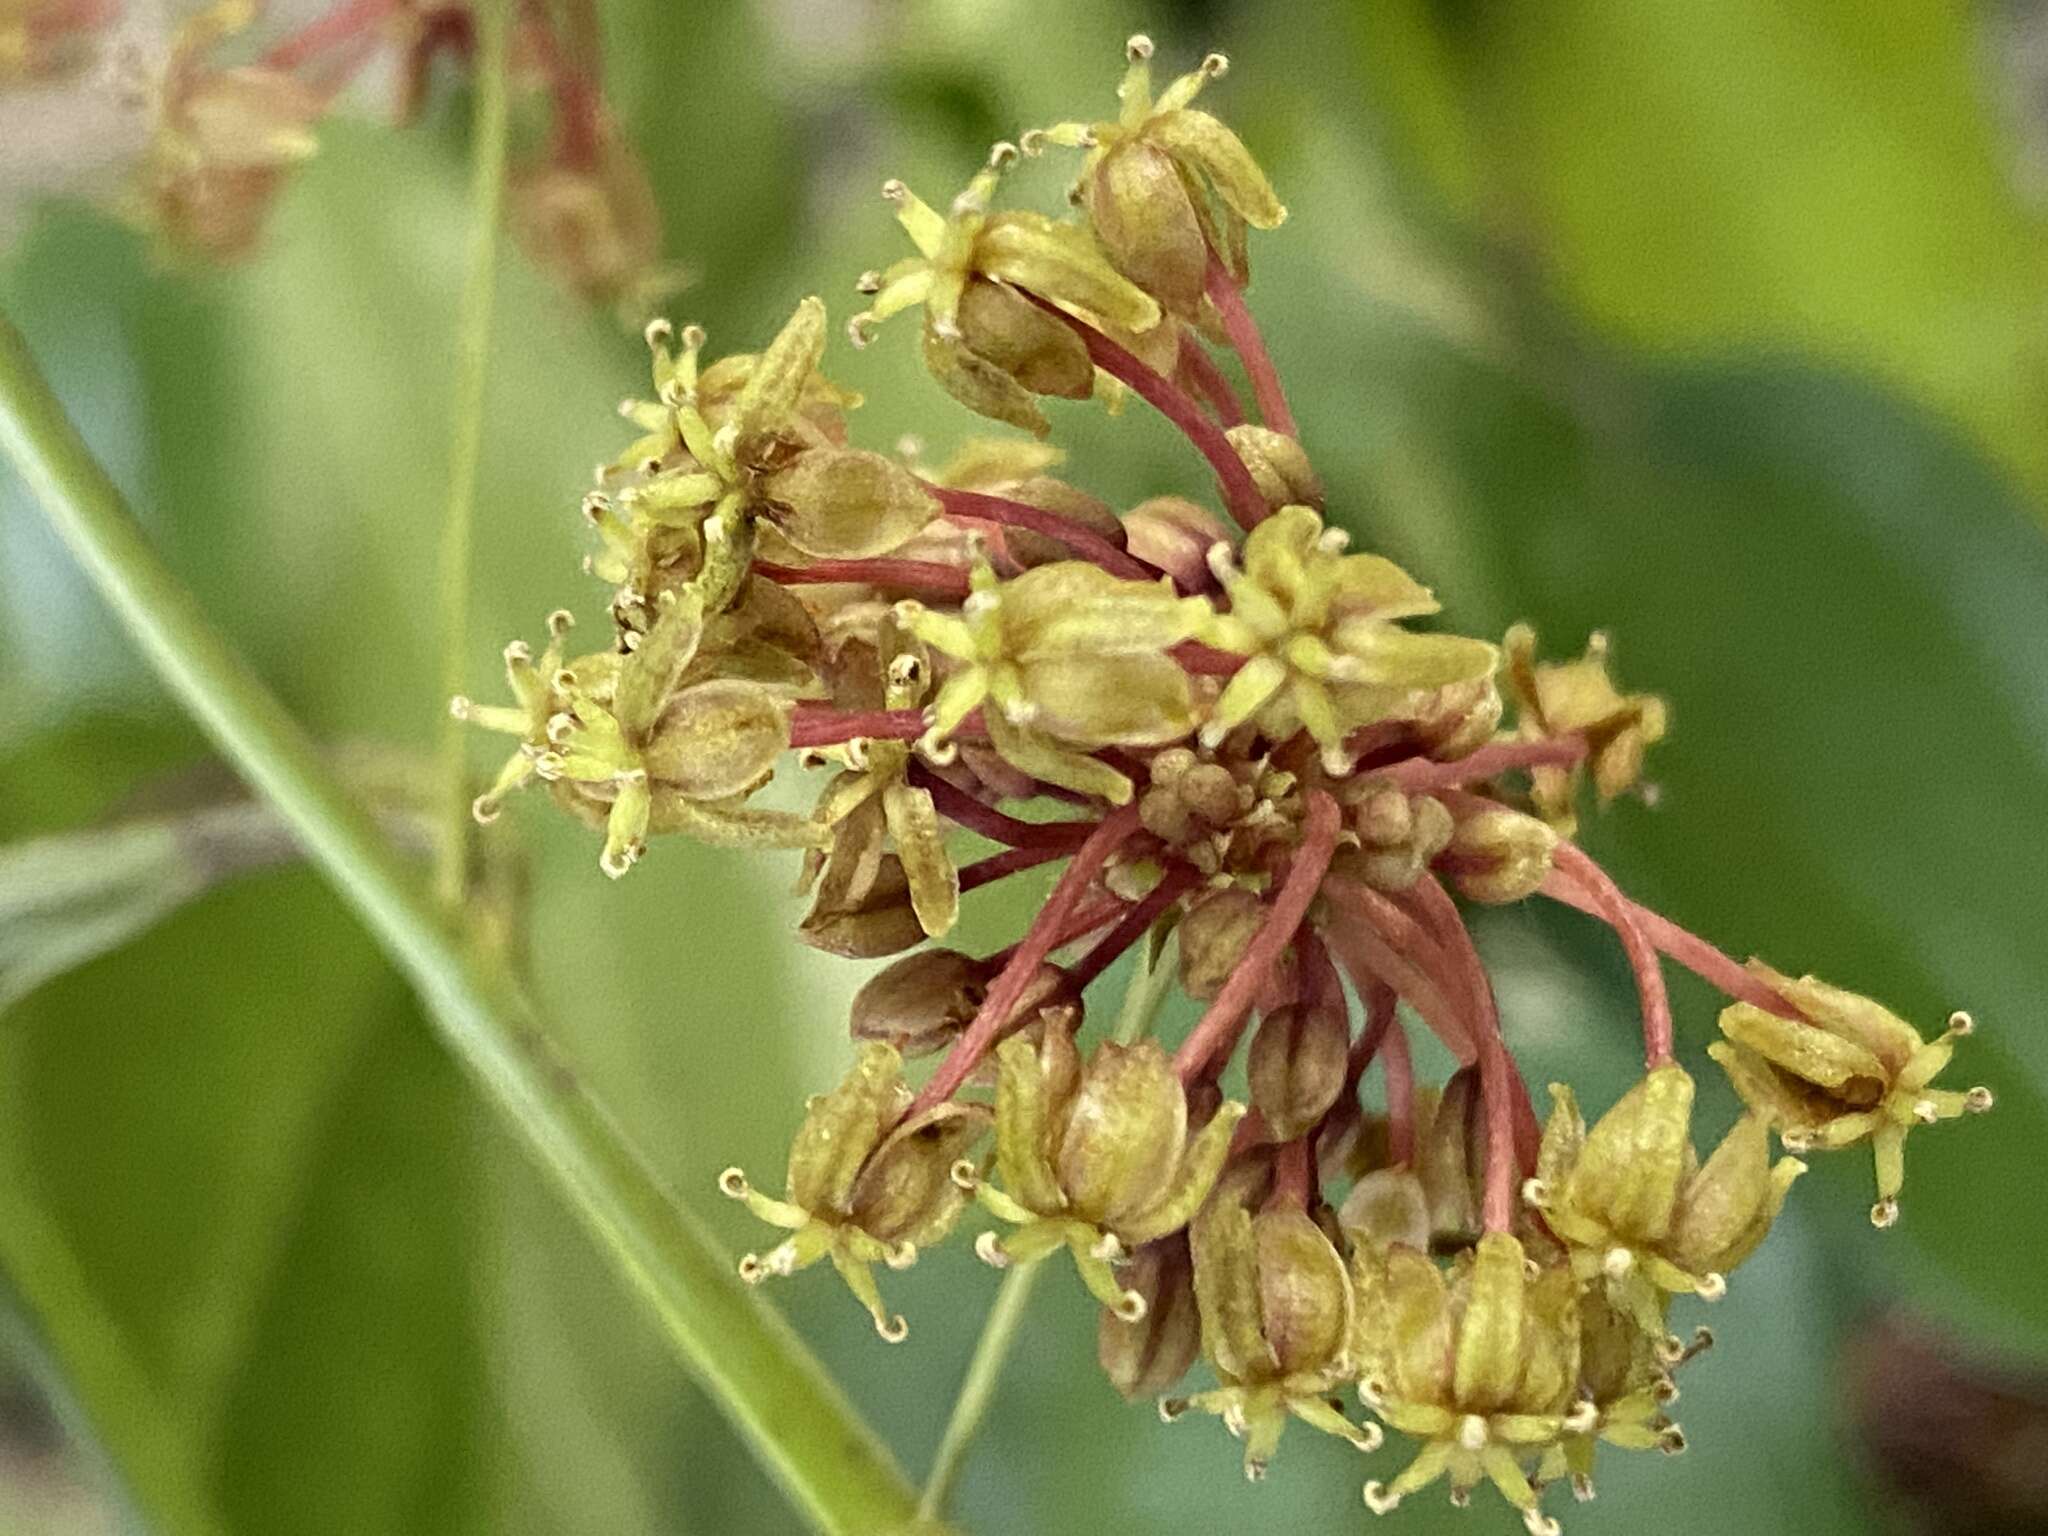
[790, 1413]
[488, 136]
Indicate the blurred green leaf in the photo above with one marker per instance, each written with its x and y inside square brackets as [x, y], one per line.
[1832, 179]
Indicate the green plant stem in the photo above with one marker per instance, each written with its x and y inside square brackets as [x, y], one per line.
[1147, 990]
[488, 135]
[978, 1387]
[788, 1410]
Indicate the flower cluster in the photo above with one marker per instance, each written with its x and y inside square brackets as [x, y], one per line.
[227, 130]
[1244, 747]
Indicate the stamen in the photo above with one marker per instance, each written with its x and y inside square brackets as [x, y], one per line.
[1885, 1213]
[966, 1176]
[1712, 1286]
[657, 333]
[1978, 1100]
[895, 1330]
[1539, 1524]
[1582, 1488]
[1171, 1409]
[902, 1256]
[1378, 1500]
[989, 1249]
[733, 1184]
[484, 809]
[895, 191]
[869, 281]
[1216, 65]
[1130, 1306]
[1138, 48]
[752, 1270]
[1536, 1193]
[1960, 1023]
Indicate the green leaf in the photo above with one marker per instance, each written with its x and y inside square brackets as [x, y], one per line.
[1832, 179]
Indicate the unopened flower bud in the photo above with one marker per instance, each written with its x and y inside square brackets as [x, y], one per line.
[1279, 467]
[1189, 798]
[1499, 855]
[1387, 1206]
[920, 1003]
[717, 739]
[847, 503]
[881, 921]
[1214, 936]
[1146, 1358]
[1399, 835]
[1297, 1063]
[1175, 535]
[1450, 1160]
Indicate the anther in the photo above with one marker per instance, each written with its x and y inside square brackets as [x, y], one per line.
[860, 330]
[1619, 1263]
[894, 191]
[1795, 1142]
[989, 1249]
[1138, 48]
[1032, 142]
[1333, 541]
[518, 651]
[1130, 1306]
[460, 706]
[966, 1176]
[1960, 1023]
[1472, 1432]
[1536, 1193]
[560, 622]
[1712, 1286]
[869, 281]
[1670, 1349]
[1378, 1500]
[1926, 1111]
[1978, 1100]
[1254, 1471]
[733, 1184]
[1582, 1488]
[1702, 1341]
[1108, 1249]
[1672, 1441]
[1216, 65]
[1171, 1409]
[1001, 155]
[1885, 1213]
[1665, 1391]
[751, 1269]
[484, 809]
[902, 1256]
[694, 337]
[658, 331]
[1539, 1524]
[893, 1330]
[1584, 1417]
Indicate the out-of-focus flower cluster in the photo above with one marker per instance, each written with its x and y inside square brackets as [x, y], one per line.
[1241, 746]
[230, 121]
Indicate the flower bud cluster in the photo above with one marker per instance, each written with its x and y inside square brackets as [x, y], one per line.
[1233, 742]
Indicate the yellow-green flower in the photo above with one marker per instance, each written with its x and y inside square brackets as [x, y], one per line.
[1095, 1159]
[863, 1188]
[1481, 1367]
[989, 347]
[1321, 631]
[1625, 1386]
[1643, 1217]
[1148, 179]
[631, 742]
[1848, 1070]
[1064, 656]
[1578, 697]
[1278, 1324]
[873, 800]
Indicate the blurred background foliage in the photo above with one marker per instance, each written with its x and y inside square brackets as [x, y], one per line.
[1718, 326]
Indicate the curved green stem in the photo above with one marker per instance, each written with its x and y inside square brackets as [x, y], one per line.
[791, 1414]
[489, 132]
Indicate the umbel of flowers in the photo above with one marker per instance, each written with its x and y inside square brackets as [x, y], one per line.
[1254, 751]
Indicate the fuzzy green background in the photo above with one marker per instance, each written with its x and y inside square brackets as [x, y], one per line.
[1722, 326]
